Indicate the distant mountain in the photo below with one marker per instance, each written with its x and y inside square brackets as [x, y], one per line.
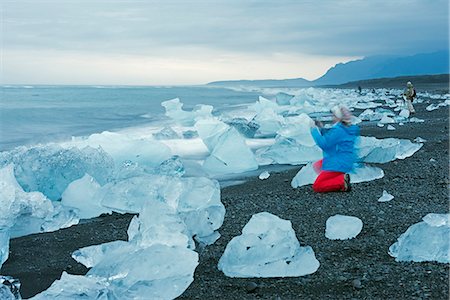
[386, 66]
[421, 82]
[296, 82]
[382, 66]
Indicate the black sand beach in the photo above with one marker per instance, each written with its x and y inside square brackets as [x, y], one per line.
[359, 268]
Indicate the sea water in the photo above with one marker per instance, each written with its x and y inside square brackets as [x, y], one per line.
[42, 114]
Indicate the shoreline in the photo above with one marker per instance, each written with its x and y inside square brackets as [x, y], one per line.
[419, 187]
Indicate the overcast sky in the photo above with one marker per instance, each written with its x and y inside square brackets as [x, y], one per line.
[194, 42]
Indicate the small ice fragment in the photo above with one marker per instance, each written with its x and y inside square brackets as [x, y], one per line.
[419, 140]
[380, 125]
[432, 160]
[390, 127]
[385, 197]
[264, 175]
[339, 227]
[404, 113]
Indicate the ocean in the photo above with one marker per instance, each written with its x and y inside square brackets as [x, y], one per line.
[41, 114]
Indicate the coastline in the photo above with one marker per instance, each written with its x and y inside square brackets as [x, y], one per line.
[419, 187]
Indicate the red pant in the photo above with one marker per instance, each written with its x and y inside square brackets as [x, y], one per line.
[327, 181]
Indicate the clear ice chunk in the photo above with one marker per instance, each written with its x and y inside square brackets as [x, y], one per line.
[268, 247]
[339, 227]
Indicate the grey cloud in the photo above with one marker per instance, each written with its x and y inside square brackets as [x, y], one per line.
[347, 28]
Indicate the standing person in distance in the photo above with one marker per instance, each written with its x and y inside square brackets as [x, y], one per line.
[408, 96]
[339, 153]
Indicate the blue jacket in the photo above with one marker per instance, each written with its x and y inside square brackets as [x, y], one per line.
[338, 145]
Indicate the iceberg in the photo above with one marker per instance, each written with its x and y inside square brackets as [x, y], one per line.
[390, 127]
[385, 197]
[339, 227]
[268, 247]
[428, 240]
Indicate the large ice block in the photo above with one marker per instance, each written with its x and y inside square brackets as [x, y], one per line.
[82, 194]
[49, 169]
[158, 223]
[267, 247]
[425, 241]
[156, 272]
[267, 117]
[124, 148]
[297, 128]
[230, 155]
[78, 287]
[200, 207]
[373, 150]
[288, 151]
[92, 255]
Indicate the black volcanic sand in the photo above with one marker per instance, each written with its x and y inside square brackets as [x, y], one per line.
[420, 186]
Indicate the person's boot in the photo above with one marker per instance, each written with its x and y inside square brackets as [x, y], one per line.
[347, 185]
